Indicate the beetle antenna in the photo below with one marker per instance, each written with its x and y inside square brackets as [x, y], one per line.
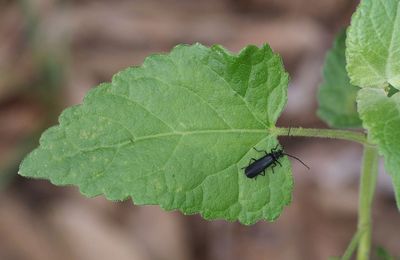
[294, 157]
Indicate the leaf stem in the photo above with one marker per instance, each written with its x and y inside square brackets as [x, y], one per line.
[322, 133]
[369, 174]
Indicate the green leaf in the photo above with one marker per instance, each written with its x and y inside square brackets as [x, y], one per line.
[391, 90]
[381, 117]
[382, 254]
[176, 132]
[373, 44]
[336, 96]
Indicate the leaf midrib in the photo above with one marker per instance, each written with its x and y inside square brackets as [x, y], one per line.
[175, 133]
[207, 131]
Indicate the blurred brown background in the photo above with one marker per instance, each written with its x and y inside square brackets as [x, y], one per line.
[52, 52]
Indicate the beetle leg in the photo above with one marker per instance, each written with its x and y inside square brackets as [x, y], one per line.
[263, 173]
[279, 163]
[251, 160]
[273, 166]
[260, 151]
[274, 149]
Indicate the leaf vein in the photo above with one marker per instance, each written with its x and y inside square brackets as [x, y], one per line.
[240, 96]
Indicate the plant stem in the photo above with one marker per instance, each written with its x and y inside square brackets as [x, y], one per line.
[323, 133]
[352, 246]
[369, 174]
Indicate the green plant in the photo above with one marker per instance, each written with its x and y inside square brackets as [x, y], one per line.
[177, 130]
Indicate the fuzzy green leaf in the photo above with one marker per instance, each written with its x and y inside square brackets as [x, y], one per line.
[337, 96]
[176, 132]
[373, 44]
[383, 254]
[381, 117]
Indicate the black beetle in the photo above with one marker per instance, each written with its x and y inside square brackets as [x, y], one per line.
[258, 166]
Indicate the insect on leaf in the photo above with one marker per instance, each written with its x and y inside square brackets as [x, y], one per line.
[381, 117]
[373, 44]
[337, 96]
[176, 132]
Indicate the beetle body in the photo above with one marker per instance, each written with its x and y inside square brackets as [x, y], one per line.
[259, 166]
